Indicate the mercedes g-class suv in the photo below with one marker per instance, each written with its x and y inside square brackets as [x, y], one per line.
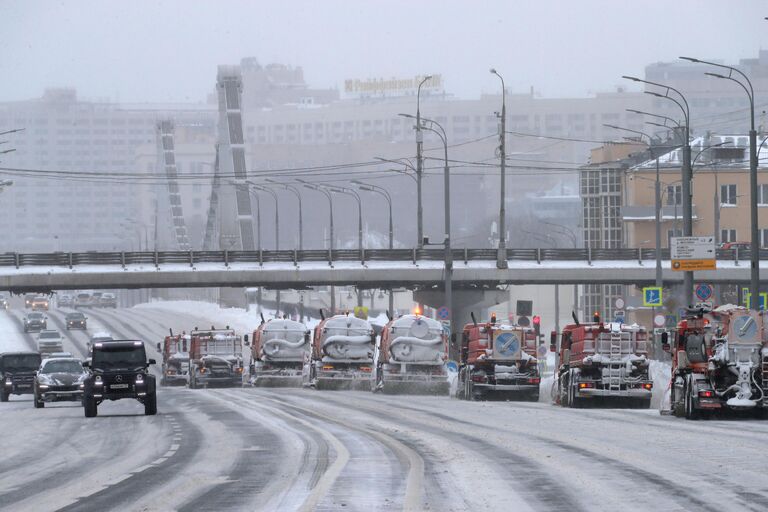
[119, 370]
[17, 373]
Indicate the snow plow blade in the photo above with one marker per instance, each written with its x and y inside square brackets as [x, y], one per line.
[274, 381]
[438, 388]
[336, 384]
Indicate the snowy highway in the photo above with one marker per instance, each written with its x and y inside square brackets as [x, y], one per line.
[300, 449]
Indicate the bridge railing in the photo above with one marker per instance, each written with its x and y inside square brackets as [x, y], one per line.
[71, 259]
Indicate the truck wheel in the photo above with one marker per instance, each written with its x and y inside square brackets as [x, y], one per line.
[89, 407]
[690, 411]
[150, 405]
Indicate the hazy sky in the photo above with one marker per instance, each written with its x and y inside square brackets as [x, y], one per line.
[168, 50]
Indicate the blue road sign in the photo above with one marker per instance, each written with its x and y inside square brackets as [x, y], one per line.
[507, 343]
[652, 296]
[452, 366]
[443, 313]
[704, 291]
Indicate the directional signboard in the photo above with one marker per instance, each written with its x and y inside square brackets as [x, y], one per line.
[748, 299]
[693, 253]
[652, 297]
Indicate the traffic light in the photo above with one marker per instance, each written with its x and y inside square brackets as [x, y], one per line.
[537, 325]
[596, 317]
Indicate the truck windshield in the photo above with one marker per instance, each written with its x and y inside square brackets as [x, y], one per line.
[128, 357]
[20, 363]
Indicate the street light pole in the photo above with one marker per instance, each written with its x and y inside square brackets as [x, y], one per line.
[447, 200]
[295, 192]
[330, 226]
[419, 160]
[754, 276]
[687, 172]
[501, 256]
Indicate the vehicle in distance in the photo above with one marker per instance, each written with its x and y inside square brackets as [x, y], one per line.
[108, 300]
[118, 370]
[735, 245]
[35, 322]
[76, 320]
[17, 373]
[3, 301]
[65, 301]
[83, 300]
[175, 365]
[278, 350]
[49, 342]
[40, 303]
[59, 379]
[28, 299]
[215, 358]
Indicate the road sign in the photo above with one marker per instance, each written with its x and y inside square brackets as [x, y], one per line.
[524, 308]
[659, 321]
[523, 321]
[619, 303]
[693, 253]
[452, 366]
[443, 313]
[446, 327]
[704, 291]
[618, 316]
[652, 296]
[361, 312]
[671, 321]
[748, 299]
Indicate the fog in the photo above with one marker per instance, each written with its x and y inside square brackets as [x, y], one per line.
[168, 50]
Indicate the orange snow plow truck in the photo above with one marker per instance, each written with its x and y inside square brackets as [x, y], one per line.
[279, 349]
[215, 358]
[602, 362]
[411, 357]
[498, 361]
[719, 362]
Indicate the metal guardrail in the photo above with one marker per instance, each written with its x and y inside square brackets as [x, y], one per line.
[72, 259]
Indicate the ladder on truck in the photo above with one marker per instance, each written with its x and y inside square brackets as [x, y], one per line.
[616, 366]
[764, 376]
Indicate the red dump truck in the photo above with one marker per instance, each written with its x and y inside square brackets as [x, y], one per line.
[719, 362]
[215, 358]
[498, 361]
[601, 363]
[411, 357]
[175, 366]
[342, 354]
[279, 349]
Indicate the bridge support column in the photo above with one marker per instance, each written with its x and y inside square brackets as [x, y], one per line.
[464, 303]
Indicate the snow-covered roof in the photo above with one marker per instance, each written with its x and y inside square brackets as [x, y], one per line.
[674, 158]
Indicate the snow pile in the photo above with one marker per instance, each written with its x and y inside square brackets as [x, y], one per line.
[660, 373]
[11, 339]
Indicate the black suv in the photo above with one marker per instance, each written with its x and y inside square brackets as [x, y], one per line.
[119, 370]
[17, 373]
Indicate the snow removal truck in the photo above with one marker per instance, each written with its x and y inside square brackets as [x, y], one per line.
[342, 354]
[175, 352]
[215, 358]
[279, 349]
[719, 362]
[602, 362]
[411, 357]
[498, 361]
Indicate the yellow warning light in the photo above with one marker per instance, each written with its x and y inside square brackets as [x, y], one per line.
[417, 310]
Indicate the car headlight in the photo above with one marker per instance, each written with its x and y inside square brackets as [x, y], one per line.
[8, 381]
[42, 386]
[139, 379]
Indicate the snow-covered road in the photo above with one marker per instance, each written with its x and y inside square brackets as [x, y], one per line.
[296, 449]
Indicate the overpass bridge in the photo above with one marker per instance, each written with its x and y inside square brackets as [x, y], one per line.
[418, 269]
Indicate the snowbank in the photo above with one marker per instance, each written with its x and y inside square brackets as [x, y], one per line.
[11, 339]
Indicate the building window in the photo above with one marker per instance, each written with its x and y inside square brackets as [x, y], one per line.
[764, 238]
[671, 233]
[674, 195]
[762, 195]
[728, 195]
[727, 235]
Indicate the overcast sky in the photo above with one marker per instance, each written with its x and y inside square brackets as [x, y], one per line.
[168, 50]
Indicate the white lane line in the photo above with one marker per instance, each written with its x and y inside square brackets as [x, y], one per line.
[174, 447]
[159, 461]
[142, 468]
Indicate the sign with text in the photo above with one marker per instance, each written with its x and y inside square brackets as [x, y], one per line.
[691, 253]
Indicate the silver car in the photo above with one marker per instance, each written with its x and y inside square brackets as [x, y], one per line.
[59, 379]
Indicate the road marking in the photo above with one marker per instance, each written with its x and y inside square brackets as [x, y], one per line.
[159, 461]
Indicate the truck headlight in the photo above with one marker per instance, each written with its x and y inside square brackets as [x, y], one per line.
[8, 381]
[139, 379]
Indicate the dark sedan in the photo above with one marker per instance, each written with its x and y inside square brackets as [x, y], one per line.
[76, 321]
[59, 379]
[35, 322]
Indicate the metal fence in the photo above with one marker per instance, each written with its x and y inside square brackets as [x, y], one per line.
[72, 259]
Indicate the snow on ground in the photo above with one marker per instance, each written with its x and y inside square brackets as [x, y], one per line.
[11, 339]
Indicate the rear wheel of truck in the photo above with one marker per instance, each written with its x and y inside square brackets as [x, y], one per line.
[690, 410]
[150, 405]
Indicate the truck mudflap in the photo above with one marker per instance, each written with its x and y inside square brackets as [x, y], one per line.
[411, 379]
[639, 393]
